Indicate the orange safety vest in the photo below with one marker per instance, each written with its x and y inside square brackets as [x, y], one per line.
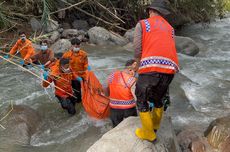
[158, 47]
[120, 85]
[25, 48]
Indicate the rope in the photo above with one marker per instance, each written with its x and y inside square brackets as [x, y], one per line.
[7, 114]
[37, 76]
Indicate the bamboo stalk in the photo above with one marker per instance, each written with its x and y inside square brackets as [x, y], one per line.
[89, 14]
[102, 6]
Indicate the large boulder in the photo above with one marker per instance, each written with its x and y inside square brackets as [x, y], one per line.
[186, 45]
[20, 125]
[101, 36]
[55, 35]
[61, 45]
[123, 138]
[218, 132]
[51, 26]
[130, 34]
[191, 140]
[70, 33]
[35, 24]
[129, 47]
[80, 25]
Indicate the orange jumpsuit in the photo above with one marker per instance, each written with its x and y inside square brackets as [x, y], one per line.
[78, 62]
[24, 47]
[61, 80]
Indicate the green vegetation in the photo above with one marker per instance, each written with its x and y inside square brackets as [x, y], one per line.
[112, 14]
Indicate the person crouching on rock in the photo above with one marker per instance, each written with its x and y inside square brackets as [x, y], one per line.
[62, 77]
[122, 101]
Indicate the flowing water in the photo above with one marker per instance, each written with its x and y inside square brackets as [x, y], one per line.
[199, 93]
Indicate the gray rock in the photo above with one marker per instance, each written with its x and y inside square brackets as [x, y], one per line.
[218, 131]
[55, 35]
[187, 46]
[20, 125]
[51, 26]
[130, 34]
[129, 47]
[66, 25]
[61, 45]
[70, 33]
[80, 25]
[35, 24]
[123, 139]
[101, 36]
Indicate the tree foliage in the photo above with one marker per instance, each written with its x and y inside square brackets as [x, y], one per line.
[108, 13]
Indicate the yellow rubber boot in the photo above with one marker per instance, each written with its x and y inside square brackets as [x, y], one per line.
[146, 132]
[157, 114]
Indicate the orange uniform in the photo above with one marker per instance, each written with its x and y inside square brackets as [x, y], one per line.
[120, 84]
[78, 62]
[158, 47]
[43, 56]
[24, 47]
[61, 80]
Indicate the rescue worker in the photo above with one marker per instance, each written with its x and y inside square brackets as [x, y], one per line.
[62, 77]
[24, 47]
[122, 101]
[45, 56]
[78, 63]
[155, 52]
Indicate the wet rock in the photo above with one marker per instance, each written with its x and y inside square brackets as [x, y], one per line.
[66, 25]
[80, 25]
[186, 45]
[55, 35]
[35, 24]
[20, 125]
[177, 20]
[185, 139]
[101, 36]
[130, 34]
[61, 45]
[70, 33]
[225, 145]
[129, 47]
[218, 131]
[51, 26]
[198, 146]
[123, 138]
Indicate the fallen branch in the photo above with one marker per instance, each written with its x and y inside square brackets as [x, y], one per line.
[8, 28]
[89, 14]
[102, 6]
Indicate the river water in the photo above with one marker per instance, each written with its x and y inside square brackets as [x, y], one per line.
[199, 93]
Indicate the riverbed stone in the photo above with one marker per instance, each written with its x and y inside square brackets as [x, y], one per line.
[70, 33]
[61, 46]
[218, 131]
[20, 125]
[52, 25]
[35, 24]
[80, 25]
[123, 139]
[130, 34]
[186, 45]
[101, 36]
[55, 35]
